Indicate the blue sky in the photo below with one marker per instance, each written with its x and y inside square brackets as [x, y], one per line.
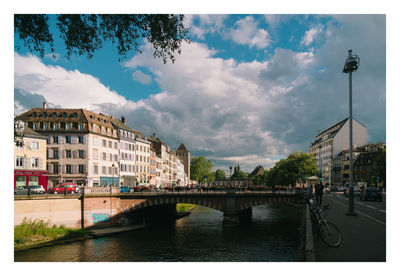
[248, 90]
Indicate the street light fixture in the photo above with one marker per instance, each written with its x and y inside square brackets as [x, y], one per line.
[351, 65]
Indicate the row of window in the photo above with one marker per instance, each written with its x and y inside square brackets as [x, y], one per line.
[56, 126]
[66, 139]
[105, 170]
[54, 154]
[67, 168]
[55, 115]
[104, 130]
[109, 144]
[28, 162]
[127, 134]
[31, 145]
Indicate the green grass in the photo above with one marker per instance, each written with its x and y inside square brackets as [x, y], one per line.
[184, 207]
[34, 232]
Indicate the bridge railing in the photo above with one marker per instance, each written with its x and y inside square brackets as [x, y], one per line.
[101, 190]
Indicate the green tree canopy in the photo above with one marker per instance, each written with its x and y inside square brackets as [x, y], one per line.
[199, 168]
[83, 34]
[287, 171]
[238, 174]
[380, 167]
[219, 174]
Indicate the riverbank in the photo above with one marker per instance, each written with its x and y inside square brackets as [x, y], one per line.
[37, 233]
[30, 234]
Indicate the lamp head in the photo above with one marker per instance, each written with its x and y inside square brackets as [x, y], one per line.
[352, 63]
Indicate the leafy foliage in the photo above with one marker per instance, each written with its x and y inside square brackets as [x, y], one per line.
[83, 34]
[219, 174]
[380, 166]
[287, 171]
[199, 168]
[238, 173]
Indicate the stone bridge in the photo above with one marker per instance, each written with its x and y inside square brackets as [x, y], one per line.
[92, 210]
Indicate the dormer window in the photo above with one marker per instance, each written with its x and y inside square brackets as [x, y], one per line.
[65, 115]
[75, 115]
[45, 115]
[54, 114]
[34, 114]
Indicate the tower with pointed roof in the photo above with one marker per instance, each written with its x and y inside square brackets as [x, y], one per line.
[184, 155]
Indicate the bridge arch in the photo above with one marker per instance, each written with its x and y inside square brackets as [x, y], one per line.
[206, 202]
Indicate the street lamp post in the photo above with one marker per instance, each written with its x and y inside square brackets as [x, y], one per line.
[320, 161]
[351, 65]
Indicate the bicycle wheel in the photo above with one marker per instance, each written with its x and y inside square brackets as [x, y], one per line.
[330, 234]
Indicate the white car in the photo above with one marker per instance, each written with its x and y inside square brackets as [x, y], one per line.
[356, 190]
[340, 188]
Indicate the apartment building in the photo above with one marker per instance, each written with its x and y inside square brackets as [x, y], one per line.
[330, 142]
[142, 161]
[153, 166]
[363, 165]
[82, 145]
[29, 157]
[127, 151]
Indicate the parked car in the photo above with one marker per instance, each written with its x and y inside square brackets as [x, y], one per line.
[340, 189]
[356, 190]
[35, 189]
[72, 188]
[371, 193]
[125, 189]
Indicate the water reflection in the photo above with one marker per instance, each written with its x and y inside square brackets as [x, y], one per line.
[272, 236]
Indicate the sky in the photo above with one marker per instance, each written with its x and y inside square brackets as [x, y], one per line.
[249, 89]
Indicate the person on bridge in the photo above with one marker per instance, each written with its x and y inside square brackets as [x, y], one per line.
[319, 189]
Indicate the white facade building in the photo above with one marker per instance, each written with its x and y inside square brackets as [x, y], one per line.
[332, 141]
[142, 161]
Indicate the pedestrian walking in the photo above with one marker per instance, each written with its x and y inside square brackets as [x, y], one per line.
[319, 189]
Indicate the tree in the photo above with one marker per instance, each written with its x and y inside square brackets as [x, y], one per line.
[199, 168]
[83, 34]
[238, 174]
[380, 167]
[287, 171]
[220, 174]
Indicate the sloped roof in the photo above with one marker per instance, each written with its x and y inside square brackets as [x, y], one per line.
[120, 125]
[32, 134]
[182, 148]
[259, 170]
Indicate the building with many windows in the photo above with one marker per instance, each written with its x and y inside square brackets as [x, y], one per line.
[142, 161]
[363, 165]
[127, 151]
[29, 157]
[82, 146]
[330, 142]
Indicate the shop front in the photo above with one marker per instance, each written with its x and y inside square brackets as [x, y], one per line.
[30, 178]
[108, 181]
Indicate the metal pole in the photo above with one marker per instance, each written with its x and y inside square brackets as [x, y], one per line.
[351, 191]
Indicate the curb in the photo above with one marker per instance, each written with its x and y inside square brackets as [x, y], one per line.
[309, 248]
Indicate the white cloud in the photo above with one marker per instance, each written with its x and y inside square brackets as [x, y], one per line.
[69, 88]
[207, 23]
[141, 77]
[311, 35]
[246, 32]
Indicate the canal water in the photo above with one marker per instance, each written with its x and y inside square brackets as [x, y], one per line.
[272, 236]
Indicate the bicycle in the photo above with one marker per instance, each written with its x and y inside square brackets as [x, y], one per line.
[326, 230]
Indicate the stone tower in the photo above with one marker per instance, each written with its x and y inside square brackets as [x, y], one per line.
[184, 155]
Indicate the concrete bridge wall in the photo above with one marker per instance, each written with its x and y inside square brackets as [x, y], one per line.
[111, 210]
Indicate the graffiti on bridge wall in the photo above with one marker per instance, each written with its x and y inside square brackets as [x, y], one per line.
[98, 217]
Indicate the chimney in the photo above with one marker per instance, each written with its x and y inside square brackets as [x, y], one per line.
[123, 119]
[44, 105]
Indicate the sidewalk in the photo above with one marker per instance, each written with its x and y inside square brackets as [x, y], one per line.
[364, 240]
